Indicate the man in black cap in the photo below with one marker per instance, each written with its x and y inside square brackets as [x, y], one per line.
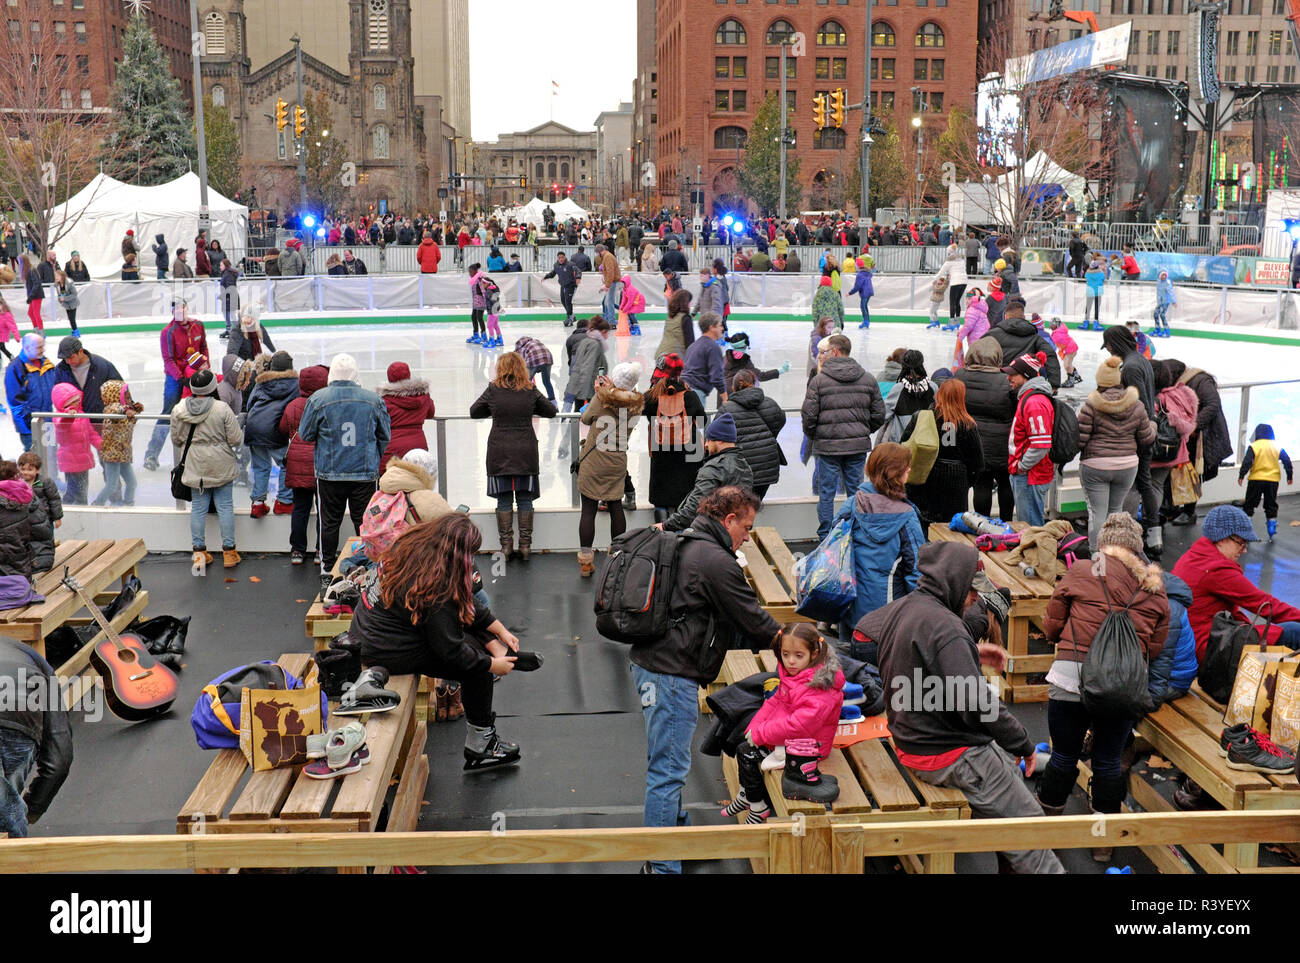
[88, 372]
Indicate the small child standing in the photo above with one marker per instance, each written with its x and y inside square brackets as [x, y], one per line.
[195, 363]
[801, 716]
[46, 510]
[1146, 347]
[1095, 277]
[116, 454]
[1165, 298]
[15, 522]
[75, 438]
[864, 287]
[1261, 468]
[68, 299]
[8, 328]
[477, 305]
[1066, 348]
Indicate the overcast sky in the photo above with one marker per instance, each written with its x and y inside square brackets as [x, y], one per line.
[517, 47]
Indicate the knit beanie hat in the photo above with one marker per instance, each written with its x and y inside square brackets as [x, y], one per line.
[670, 366]
[626, 375]
[343, 368]
[400, 371]
[1108, 375]
[195, 359]
[1121, 530]
[421, 458]
[722, 428]
[999, 264]
[1027, 366]
[1224, 521]
[203, 383]
[282, 361]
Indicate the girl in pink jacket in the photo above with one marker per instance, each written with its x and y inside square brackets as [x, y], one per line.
[801, 715]
[975, 327]
[75, 438]
[632, 304]
[1067, 348]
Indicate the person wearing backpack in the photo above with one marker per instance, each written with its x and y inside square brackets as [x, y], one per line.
[1030, 465]
[272, 392]
[513, 466]
[299, 461]
[1117, 579]
[1136, 372]
[1113, 428]
[759, 420]
[676, 417]
[405, 498]
[1176, 411]
[714, 609]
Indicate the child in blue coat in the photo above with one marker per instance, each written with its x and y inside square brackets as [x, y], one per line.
[1164, 300]
[1096, 278]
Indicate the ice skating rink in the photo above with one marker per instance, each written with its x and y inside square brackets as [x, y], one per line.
[457, 373]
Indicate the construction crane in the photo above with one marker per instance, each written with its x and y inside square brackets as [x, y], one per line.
[1056, 11]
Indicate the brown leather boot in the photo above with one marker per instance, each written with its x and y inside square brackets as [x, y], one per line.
[230, 558]
[526, 534]
[506, 531]
[586, 562]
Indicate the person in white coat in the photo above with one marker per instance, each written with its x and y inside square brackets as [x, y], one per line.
[951, 278]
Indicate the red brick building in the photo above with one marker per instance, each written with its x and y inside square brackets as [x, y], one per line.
[719, 59]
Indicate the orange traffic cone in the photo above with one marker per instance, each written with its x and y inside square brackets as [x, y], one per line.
[624, 329]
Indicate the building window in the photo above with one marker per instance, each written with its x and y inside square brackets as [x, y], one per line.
[1288, 75]
[839, 68]
[1231, 75]
[1274, 42]
[1233, 37]
[730, 138]
[780, 32]
[538, 172]
[1153, 43]
[1171, 72]
[550, 170]
[218, 96]
[790, 101]
[930, 35]
[377, 31]
[731, 33]
[722, 67]
[920, 70]
[1171, 45]
[831, 34]
[1271, 74]
[15, 31]
[887, 68]
[87, 101]
[823, 71]
[882, 99]
[78, 4]
[36, 31]
[65, 99]
[1252, 43]
[214, 34]
[722, 100]
[772, 68]
[379, 137]
[564, 172]
[829, 138]
[739, 100]
[381, 97]
[740, 67]
[882, 35]
[1250, 74]
[60, 31]
[936, 101]
[83, 66]
[936, 70]
[79, 32]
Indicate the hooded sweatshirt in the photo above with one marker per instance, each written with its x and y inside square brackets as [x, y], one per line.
[923, 645]
[15, 528]
[989, 398]
[159, 249]
[804, 706]
[74, 436]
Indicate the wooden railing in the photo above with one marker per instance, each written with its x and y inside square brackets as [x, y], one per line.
[814, 845]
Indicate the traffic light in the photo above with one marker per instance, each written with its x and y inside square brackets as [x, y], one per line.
[299, 121]
[819, 111]
[837, 107]
[568, 190]
[523, 183]
[281, 115]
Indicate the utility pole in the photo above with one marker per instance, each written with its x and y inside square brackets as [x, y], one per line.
[784, 118]
[205, 220]
[300, 145]
[865, 163]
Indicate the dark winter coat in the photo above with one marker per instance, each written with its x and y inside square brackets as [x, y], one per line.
[46, 509]
[1113, 424]
[43, 723]
[81, 274]
[409, 407]
[159, 248]
[602, 467]
[759, 420]
[35, 290]
[990, 400]
[101, 370]
[15, 528]
[731, 367]
[272, 392]
[712, 607]
[946, 490]
[923, 636]
[300, 465]
[1017, 336]
[1211, 426]
[727, 467]
[673, 471]
[1173, 671]
[842, 408]
[512, 443]
[248, 346]
[887, 535]
[1078, 606]
[271, 264]
[389, 637]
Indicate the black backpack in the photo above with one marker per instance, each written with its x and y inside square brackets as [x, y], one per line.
[1113, 678]
[1168, 440]
[635, 586]
[1065, 432]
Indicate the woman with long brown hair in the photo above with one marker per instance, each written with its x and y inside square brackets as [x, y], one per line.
[946, 491]
[511, 401]
[419, 614]
[679, 328]
[676, 418]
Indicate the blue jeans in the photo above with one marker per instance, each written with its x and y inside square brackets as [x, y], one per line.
[78, 486]
[262, 458]
[1290, 634]
[224, 498]
[671, 707]
[609, 307]
[545, 371]
[507, 500]
[1162, 316]
[862, 303]
[1029, 499]
[119, 484]
[832, 472]
[171, 397]
[17, 757]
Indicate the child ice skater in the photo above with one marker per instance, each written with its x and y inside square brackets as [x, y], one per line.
[1165, 299]
[116, 453]
[1066, 348]
[75, 438]
[8, 328]
[1095, 277]
[801, 716]
[1261, 469]
[477, 305]
[974, 327]
[864, 287]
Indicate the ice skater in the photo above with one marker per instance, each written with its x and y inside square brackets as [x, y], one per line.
[1165, 299]
[1261, 470]
[864, 288]
[1066, 347]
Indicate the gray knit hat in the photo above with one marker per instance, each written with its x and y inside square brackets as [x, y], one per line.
[1121, 530]
[203, 383]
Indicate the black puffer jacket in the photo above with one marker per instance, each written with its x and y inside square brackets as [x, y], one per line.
[842, 408]
[15, 528]
[46, 509]
[990, 400]
[47, 726]
[1018, 336]
[759, 421]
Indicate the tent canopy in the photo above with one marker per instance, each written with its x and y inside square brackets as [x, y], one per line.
[97, 217]
[1043, 172]
[531, 213]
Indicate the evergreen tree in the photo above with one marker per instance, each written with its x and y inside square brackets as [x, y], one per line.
[222, 138]
[760, 174]
[151, 128]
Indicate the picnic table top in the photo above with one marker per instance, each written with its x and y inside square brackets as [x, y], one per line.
[1003, 574]
[96, 564]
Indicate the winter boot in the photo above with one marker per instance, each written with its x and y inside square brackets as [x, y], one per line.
[525, 533]
[484, 749]
[1155, 540]
[450, 707]
[1054, 787]
[629, 500]
[343, 642]
[586, 562]
[506, 531]
[202, 559]
[1107, 799]
[230, 558]
[331, 671]
[802, 780]
[1272, 528]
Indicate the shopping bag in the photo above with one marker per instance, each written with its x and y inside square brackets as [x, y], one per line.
[924, 446]
[274, 725]
[1185, 484]
[1255, 687]
[1284, 727]
[824, 582]
[1229, 638]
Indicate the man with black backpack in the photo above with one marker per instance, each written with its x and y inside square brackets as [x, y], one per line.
[710, 608]
[1030, 464]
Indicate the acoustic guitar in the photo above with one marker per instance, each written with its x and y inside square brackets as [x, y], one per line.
[136, 685]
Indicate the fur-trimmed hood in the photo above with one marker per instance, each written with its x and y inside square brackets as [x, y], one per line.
[825, 675]
[403, 476]
[408, 387]
[1149, 575]
[614, 397]
[269, 375]
[1113, 401]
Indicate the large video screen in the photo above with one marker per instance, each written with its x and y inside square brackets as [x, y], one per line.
[997, 116]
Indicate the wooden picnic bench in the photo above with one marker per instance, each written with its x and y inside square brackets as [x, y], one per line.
[874, 785]
[1029, 598]
[286, 801]
[1186, 732]
[321, 625]
[103, 566]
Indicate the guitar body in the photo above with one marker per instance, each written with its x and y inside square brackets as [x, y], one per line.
[136, 685]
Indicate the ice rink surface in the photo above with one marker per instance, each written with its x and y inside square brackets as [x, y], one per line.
[457, 373]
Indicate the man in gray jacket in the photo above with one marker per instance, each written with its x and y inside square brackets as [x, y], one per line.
[724, 464]
[842, 408]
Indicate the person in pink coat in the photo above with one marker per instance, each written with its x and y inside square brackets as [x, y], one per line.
[975, 326]
[1179, 405]
[801, 716]
[75, 438]
[8, 329]
[1066, 348]
[632, 304]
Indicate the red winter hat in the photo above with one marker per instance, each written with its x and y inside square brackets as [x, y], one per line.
[399, 371]
[130, 233]
[825, 281]
[995, 283]
[1027, 366]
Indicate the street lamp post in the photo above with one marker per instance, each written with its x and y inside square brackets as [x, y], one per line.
[784, 118]
[916, 122]
[205, 222]
[302, 146]
[865, 162]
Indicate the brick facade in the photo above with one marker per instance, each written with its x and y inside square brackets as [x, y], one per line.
[696, 101]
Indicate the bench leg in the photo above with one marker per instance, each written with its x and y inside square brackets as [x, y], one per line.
[1017, 645]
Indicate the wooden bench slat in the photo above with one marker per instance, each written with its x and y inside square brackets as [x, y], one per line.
[266, 791]
[767, 586]
[852, 799]
[738, 664]
[774, 547]
[787, 807]
[878, 772]
[362, 793]
[1180, 741]
[99, 572]
[767, 660]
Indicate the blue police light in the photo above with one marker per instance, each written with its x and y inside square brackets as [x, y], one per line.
[1292, 227]
[320, 232]
[738, 226]
[309, 220]
[727, 221]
